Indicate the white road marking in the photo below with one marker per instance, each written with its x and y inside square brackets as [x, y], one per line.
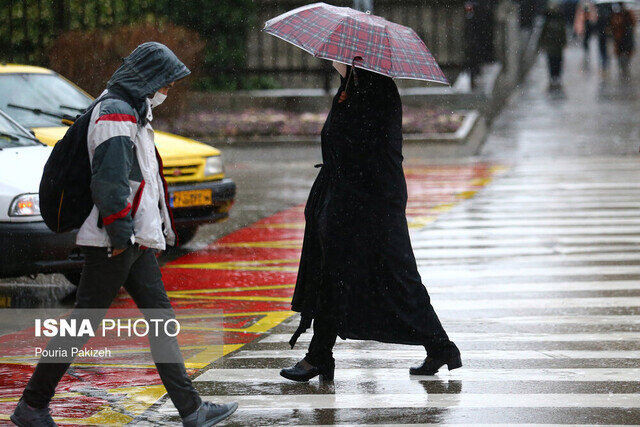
[418, 353]
[474, 271]
[490, 259]
[548, 320]
[540, 303]
[270, 402]
[604, 285]
[524, 241]
[357, 375]
[461, 337]
[526, 231]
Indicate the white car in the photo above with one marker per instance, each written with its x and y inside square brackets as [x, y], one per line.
[27, 246]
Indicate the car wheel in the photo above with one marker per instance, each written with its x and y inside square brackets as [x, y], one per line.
[73, 276]
[186, 234]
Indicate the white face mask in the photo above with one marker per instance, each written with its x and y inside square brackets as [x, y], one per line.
[157, 99]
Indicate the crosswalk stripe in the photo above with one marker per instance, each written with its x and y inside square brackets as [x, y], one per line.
[466, 374]
[270, 402]
[572, 187]
[527, 231]
[531, 258]
[489, 270]
[539, 303]
[461, 337]
[506, 251]
[550, 320]
[536, 222]
[417, 353]
[496, 206]
[525, 241]
[520, 213]
[538, 201]
[604, 285]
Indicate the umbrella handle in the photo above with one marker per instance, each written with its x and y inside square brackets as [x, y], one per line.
[343, 95]
[353, 66]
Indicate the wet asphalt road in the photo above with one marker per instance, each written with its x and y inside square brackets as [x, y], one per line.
[536, 278]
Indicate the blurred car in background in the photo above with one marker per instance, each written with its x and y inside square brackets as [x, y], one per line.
[39, 99]
[26, 244]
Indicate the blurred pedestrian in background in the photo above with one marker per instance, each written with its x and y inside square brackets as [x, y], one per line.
[584, 25]
[553, 41]
[623, 24]
[602, 30]
[479, 29]
[568, 8]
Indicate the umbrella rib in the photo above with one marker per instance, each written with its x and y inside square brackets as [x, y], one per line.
[386, 32]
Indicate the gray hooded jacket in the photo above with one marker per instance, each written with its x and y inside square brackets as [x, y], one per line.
[129, 192]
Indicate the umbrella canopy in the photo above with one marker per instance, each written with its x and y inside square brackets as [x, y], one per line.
[366, 41]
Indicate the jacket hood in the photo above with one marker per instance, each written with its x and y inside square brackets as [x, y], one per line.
[148, 68]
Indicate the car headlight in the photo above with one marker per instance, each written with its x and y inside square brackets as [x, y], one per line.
[213, 166]
[25, 205]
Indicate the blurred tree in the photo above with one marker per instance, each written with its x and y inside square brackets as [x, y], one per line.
[103, 50]
[224, 25]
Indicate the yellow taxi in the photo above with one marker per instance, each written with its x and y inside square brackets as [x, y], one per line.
[40, 99]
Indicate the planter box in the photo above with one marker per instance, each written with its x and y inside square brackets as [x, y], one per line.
[467, 139]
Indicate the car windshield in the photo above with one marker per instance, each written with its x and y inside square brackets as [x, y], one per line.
[11, 135]
[48, 93]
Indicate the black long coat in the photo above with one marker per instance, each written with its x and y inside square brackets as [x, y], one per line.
[357, 267]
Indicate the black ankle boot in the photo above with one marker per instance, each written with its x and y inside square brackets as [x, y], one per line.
[450, 357]
[304, 371]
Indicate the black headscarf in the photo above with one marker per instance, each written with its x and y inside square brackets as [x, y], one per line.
[374, 104]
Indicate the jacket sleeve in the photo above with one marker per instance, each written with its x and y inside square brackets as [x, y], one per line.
[112, 137]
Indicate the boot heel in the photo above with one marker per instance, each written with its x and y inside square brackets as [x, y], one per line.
[455, 362]
[327, 374]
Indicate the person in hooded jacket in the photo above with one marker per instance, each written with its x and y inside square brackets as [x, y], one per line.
[358, 277]
[130, 221]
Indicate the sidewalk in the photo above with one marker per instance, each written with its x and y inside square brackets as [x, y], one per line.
[589, 117]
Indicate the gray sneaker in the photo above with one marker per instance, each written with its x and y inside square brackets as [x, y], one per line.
[27, 416]
[209, 414]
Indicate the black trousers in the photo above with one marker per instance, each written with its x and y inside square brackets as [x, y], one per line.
[588, 30]
[324, 338]
[555, 65]
[102, 277]
[325, 334]
[602, 49]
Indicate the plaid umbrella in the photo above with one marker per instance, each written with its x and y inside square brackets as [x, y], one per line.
[366, 41]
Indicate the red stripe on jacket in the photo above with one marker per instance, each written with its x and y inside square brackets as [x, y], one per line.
[111, 218]
[117, 118]
[136, 199]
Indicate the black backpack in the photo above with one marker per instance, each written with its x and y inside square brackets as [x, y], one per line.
[65, 193]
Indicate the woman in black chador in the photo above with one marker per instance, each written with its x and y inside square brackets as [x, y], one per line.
[358, 277]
